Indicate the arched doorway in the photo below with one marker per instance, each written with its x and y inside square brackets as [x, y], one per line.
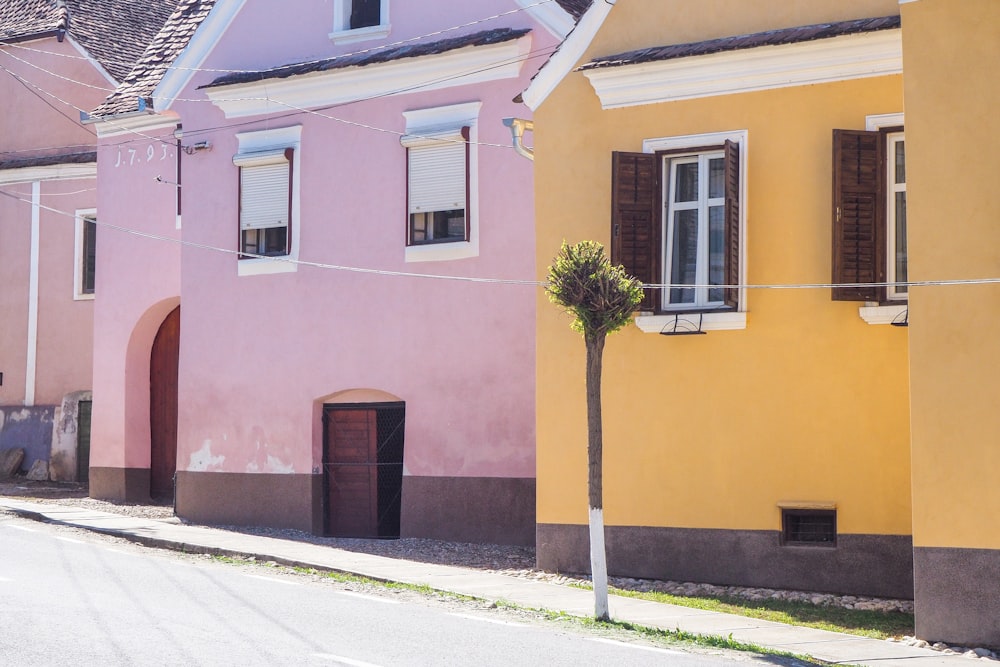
[163, 362]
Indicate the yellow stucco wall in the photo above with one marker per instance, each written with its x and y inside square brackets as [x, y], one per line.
[808, 403]
[951, 54]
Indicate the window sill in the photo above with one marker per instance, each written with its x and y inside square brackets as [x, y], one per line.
[265, 266]
[892, 314]
[440, 252]
[724, 321]
[83, 297]
[360, 34]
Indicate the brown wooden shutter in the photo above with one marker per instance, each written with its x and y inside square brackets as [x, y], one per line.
[732, 232]
[635, 222]
[858, 215]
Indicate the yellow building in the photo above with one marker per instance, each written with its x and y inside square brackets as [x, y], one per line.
[760, 153]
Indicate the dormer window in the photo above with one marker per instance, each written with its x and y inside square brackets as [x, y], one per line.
[358, 20]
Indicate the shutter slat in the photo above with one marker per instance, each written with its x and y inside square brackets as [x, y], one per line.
[732, 231]
[634, 219]
[437, 177]
[264, 196]
[858, 215]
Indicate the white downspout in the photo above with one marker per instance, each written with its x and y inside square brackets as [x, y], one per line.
[518, 126]
[32, 351]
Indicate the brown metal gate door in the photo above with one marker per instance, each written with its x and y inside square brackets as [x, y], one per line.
[352, 473]
[363, 468]
[163, 406]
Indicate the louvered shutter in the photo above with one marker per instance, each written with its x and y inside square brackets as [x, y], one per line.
[436, 173]
[732, 231]
[858, 215]
[265, 180]
[635, 220]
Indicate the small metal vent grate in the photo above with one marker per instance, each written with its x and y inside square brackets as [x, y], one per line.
[809, 527]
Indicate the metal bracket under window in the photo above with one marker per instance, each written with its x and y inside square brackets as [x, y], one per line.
[683, 326]
[901, 320]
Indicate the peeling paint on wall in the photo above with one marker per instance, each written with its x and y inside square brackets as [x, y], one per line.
[203, 461]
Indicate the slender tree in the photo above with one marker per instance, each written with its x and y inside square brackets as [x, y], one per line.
[601, 299]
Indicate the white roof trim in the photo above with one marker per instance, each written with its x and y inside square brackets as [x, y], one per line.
[566, 57]
[550, 15]
[460, 67]
[841, 58]
[52, 172]
[198, 48]
[136, 124]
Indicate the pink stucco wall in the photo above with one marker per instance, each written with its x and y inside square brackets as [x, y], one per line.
[260, 354]
[35, 123]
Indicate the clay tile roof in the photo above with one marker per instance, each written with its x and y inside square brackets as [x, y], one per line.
[769, 38]
[114, 32]
[575, 8]
[484, 38]
[153, 64]
[48, 160]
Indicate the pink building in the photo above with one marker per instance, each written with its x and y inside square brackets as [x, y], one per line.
[56, 59]
[331, 313]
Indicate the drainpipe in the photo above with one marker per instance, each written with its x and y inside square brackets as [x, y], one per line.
[518, 126]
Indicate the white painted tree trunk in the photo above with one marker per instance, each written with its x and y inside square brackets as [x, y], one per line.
[599, 565]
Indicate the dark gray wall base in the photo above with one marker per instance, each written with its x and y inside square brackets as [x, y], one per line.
[878, 565]
[488, 510]
[130, 485]
[241, 499]
[957, 595]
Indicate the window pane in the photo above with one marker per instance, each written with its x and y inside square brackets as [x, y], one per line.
[900, 162]
[716, 250]
[900, 248]
[686, 185]
[89, 256]
[716, 178]
[365, 13]
[684, 259]
[437, 226]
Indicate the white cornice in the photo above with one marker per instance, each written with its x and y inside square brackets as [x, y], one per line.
[185, 65]
[52, 172]
[566, 56]
[137, 125]
[553, 18]
[763, 68]
[461, 67]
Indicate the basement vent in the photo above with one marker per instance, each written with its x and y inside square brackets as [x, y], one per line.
[809, 528]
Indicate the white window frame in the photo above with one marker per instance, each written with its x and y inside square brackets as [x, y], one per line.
[892, 292]
[342, 32]
[702, 205]
[261, 142]
[894, 313]
[706, 321]
[437, 121]
[81, 217]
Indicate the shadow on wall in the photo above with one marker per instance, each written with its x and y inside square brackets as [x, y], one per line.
[29, 429]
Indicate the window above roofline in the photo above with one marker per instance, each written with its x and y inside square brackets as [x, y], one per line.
[344, 34]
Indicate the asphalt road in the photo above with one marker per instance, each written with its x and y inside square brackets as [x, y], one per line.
[73, 598]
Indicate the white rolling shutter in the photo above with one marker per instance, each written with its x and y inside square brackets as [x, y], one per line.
[264, 189]
[437, 171]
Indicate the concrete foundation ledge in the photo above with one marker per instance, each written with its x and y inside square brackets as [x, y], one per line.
[483, 510]
[957, 595]
[128, 485]
[876, 565]
[244, 499]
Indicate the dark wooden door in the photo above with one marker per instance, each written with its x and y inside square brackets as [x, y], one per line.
[163, 406]
[350, 453]
[83, 413]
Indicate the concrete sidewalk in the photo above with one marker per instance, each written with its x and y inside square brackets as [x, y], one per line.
[830, 646]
